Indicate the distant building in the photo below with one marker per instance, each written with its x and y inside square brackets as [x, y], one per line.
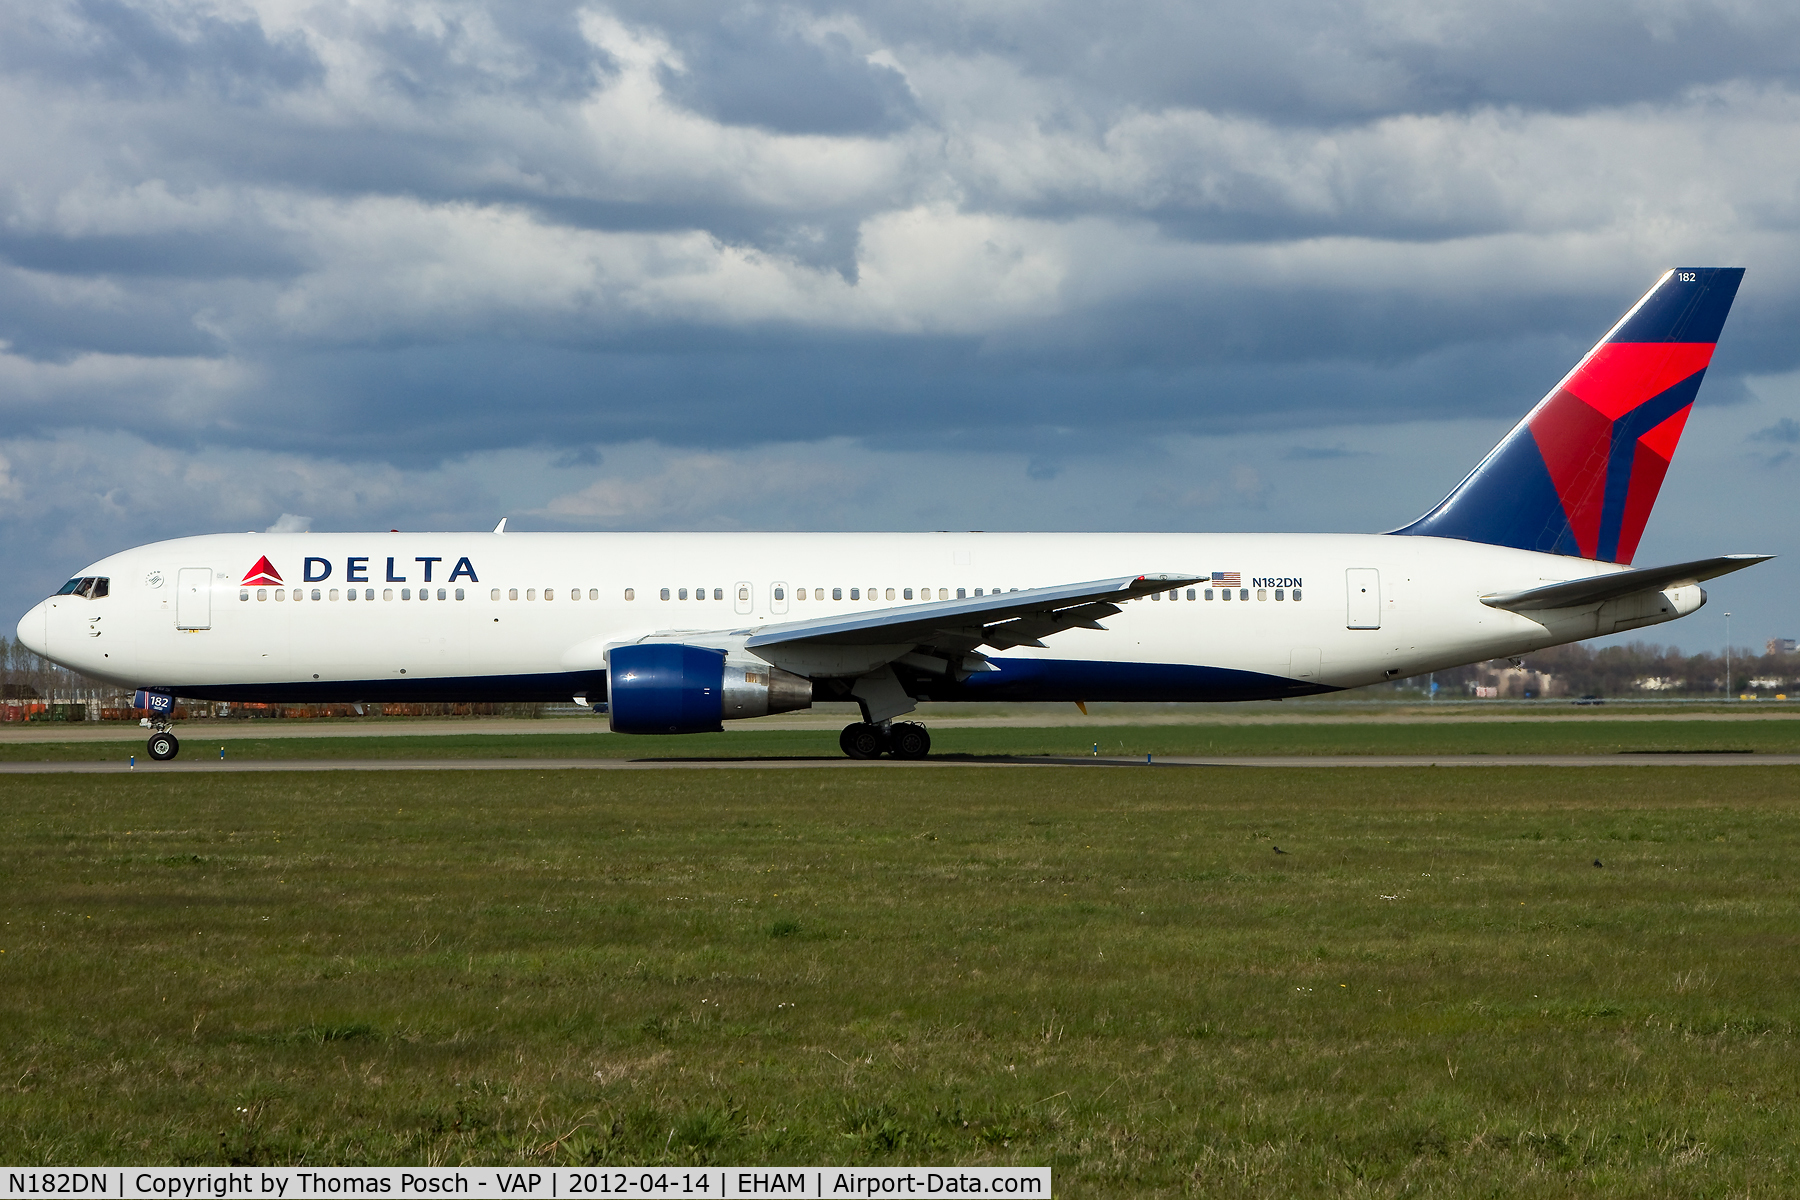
[1513, 683]
[1782, 645]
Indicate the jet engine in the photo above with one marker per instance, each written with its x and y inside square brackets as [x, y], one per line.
[668, 687]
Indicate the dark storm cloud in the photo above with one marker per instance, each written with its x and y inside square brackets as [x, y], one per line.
[404, 235]
[126, 49]
[743, 67]
[1301, 61]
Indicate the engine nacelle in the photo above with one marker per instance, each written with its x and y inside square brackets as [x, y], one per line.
[667, 687]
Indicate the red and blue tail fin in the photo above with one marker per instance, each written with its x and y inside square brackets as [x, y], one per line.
[1580, 473]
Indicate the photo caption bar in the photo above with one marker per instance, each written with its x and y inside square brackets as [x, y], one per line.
[544, 1183]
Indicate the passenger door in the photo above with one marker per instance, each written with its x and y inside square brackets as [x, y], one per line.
[193, 598]
[1363, 610]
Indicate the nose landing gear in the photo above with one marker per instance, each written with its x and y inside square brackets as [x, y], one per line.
[904, 740]
[163, 745]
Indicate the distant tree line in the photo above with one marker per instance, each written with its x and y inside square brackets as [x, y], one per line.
[25, 676]
[1636, 669]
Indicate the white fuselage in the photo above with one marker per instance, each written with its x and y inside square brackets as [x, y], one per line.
[1309, 612]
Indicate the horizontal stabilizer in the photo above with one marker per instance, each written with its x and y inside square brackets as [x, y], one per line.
[1601, 588]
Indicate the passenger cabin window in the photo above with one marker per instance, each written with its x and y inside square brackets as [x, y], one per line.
[1191, 594]
[1296, 593]
[719, 594]
[682, 594]
[1278, 593]
[665, 593]
[334, 595]
[907, 594]
[631, 593]
[855, 594]
[512, 593]
[594, 593]
[961, 594]
[780, 593]
[1209, 594]
[838, 594]
[549, 593]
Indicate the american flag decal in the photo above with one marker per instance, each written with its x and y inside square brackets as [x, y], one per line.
[1228, 579]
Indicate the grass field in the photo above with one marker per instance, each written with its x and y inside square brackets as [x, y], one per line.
[1433, 992]
[1475, 737]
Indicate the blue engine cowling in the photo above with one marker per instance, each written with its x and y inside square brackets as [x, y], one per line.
[665, 688]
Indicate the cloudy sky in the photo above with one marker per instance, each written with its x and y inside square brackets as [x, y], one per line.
[1008, 265]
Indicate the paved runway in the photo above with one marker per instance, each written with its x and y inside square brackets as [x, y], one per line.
[204, 766]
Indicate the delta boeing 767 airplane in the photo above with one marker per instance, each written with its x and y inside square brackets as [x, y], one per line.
[677, 633]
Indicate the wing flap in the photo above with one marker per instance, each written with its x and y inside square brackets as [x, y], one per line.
[1614, 585]
[1004, 619]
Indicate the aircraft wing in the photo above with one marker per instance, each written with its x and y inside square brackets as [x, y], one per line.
[1602, 588]
[1002, 620]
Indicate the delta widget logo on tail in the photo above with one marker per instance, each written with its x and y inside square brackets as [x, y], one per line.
[1580, 473]
[263, 573]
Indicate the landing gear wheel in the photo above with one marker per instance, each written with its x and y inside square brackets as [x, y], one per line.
[862, 740]
[164, 746]
[909, 740]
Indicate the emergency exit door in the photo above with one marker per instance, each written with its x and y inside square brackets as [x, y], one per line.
[1363, 609]
[193, 598]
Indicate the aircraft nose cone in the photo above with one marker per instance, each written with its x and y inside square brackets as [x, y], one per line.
[34, 630]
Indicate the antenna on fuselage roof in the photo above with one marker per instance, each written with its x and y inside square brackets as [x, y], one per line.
[501, 527]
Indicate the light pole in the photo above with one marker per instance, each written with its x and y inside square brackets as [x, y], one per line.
[1728, 656]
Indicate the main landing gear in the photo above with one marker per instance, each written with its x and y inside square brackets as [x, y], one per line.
[902, 739]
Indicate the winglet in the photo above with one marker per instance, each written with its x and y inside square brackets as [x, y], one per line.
[501, 527]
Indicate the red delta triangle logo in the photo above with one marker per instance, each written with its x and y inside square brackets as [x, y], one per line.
[263, 572]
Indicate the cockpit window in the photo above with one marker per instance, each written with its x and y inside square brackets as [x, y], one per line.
[69, 588]
[91, 586]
